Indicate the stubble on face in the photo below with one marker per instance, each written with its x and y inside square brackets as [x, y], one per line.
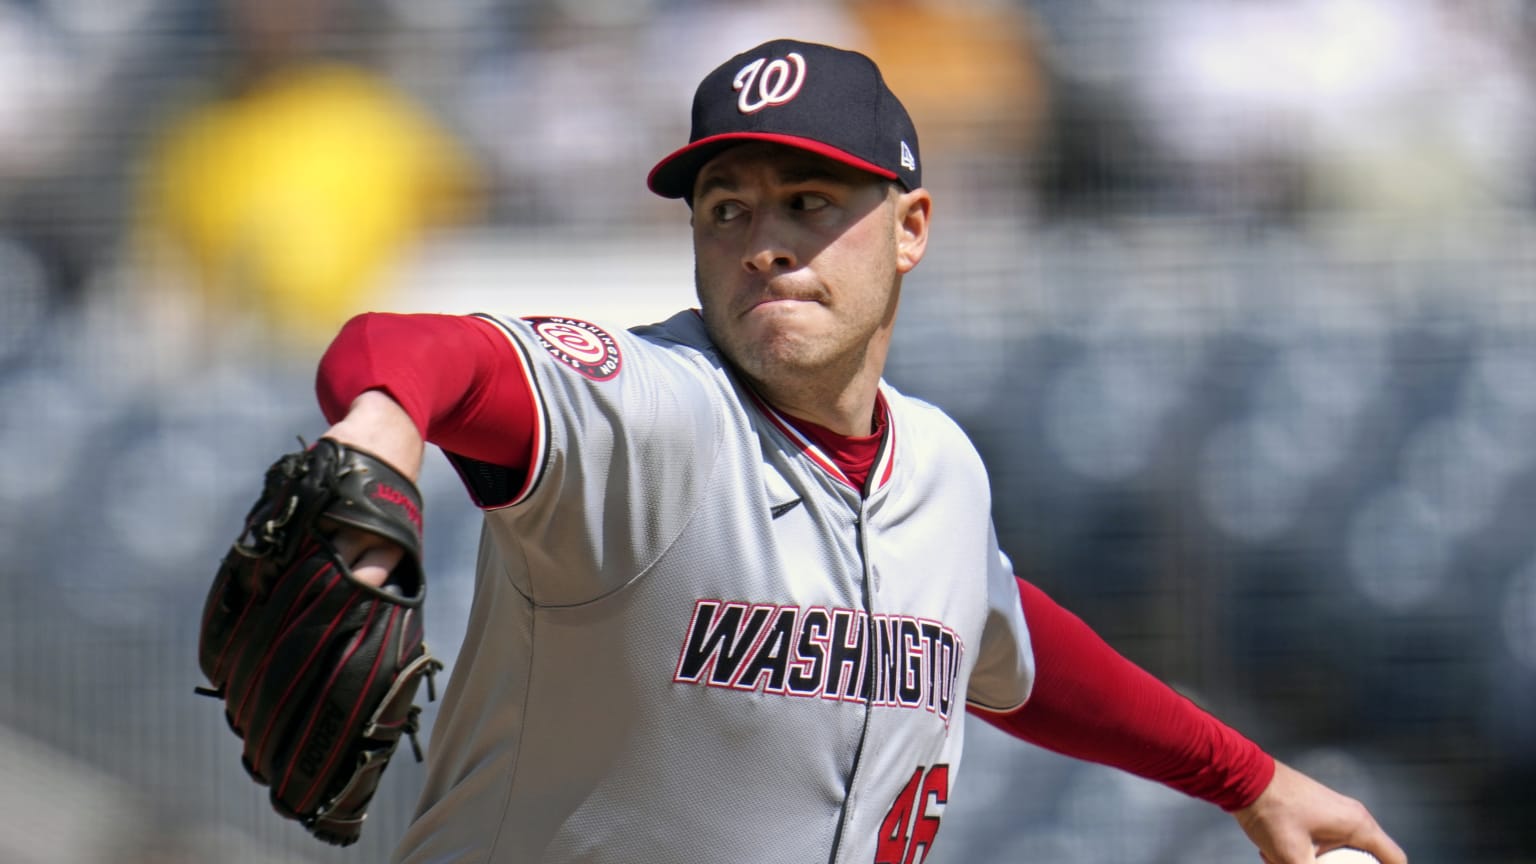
[827, 333]
[807, 325]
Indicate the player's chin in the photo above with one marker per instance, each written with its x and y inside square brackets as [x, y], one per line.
[782, 353]
[785, 337]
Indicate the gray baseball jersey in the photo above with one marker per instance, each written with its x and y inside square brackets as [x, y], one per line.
[693, 640]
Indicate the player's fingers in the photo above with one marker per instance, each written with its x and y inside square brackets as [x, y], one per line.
[1363, 832]
[374, 566]
[370, 557]
[1375, 841]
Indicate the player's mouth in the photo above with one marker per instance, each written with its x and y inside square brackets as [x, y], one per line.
[780, 303]
[783, 300]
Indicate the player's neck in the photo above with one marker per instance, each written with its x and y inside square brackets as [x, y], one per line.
[848, 412]
[839, 397]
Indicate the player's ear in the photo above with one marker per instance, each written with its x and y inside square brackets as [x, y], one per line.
[912, 211]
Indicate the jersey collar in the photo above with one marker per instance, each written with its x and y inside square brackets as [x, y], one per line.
[879, 473]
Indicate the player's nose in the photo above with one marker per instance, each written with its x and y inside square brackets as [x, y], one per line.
[768, 246]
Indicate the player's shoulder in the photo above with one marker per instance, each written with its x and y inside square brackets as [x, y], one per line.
[915, 408]
[683, 335]
[934, 457]
[602, 352]
[682, 346]
[920, 417]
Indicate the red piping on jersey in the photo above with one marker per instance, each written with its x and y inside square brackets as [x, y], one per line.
[539, 416]
[850, 471]
[806, 447]
[888, 455]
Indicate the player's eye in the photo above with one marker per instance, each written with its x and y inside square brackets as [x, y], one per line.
[725, 211]
[808, 201]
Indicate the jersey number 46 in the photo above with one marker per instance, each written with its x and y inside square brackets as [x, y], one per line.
[906, 835]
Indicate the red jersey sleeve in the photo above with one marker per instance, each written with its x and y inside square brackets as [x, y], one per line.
[456, 376]
[1091, 703]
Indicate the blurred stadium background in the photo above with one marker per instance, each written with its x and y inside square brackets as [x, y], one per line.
[1237, 297]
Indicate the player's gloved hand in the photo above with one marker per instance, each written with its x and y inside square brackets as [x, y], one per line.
[318, 670]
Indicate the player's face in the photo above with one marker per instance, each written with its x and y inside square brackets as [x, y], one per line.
[798, 259]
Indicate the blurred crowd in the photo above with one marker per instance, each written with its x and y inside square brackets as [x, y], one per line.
[1236, 297]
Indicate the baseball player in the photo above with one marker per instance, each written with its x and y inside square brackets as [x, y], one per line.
[735, 592]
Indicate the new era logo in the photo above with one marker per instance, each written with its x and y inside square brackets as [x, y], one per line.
[908, 161]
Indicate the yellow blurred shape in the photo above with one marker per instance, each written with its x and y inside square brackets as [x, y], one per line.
[292, 200]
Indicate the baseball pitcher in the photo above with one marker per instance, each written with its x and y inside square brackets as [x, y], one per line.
[735, 592]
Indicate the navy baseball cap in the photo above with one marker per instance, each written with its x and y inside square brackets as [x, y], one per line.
[819, 98]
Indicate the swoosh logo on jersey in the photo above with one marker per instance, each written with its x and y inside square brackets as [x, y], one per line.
[778, 510]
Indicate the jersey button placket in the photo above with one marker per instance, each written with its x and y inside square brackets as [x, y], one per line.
[871, 586]
[871, 573]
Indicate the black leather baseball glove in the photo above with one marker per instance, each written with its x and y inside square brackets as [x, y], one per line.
[318, 671]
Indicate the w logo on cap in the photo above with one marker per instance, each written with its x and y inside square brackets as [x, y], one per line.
[846, 114]
[762, 83]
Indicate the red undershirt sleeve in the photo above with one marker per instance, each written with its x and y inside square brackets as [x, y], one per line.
[456, 376]
[1091, 703]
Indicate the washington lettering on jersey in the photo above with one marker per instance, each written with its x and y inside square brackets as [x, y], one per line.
[895, 661]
